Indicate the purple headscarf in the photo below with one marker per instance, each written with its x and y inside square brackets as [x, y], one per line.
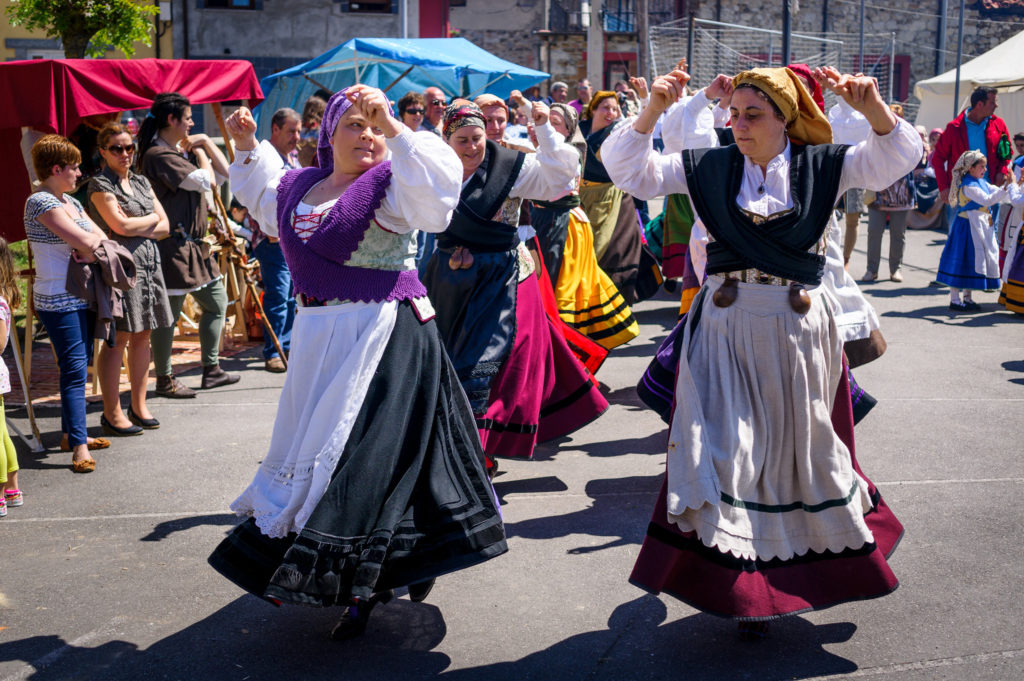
[337, 105]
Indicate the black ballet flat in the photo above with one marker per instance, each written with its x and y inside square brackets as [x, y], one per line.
[353, 622]
[148, 424]
[110, 429]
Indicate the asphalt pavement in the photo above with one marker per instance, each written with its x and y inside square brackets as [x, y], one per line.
[104, 576]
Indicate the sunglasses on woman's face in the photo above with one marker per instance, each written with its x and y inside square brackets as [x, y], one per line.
[121, 148]
[416, 112]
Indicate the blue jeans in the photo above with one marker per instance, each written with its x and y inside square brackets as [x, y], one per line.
[426, 244]
[71, 338]
[278, 297]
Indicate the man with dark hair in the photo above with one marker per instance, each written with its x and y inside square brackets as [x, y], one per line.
[1018, 145]
[285, 131]
[979, 129]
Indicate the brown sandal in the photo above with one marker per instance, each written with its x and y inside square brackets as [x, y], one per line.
[93, 444]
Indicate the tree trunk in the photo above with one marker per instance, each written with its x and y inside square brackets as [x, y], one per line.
[75, 44]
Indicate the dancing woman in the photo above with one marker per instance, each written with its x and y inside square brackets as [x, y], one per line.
[970, 258]
[523, 382]
[374, 478]
[587, 298]
[618, 234]
[764, 511]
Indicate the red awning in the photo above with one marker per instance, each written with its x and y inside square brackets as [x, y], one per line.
[54, 95]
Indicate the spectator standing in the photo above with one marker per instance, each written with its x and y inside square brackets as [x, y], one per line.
[892, 204]
[435, 104]
[411, 110]
[182, 168]
[285, 133]
[583, 94]
[312, 113]
[976, 129]
[123, 204]
[278, 296]
[58, 229]
[849, 127]
[558, 94]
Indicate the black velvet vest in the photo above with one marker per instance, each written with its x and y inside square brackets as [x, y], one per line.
[779, 246]
[593, 169]
[472, 224]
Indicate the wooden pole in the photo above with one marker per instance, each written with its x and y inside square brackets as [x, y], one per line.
[643, 40]
[218, 113]
[249, 281]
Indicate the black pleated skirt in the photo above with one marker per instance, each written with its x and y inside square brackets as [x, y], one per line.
[408, 501]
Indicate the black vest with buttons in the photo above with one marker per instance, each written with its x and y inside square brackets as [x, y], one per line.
[779, 246]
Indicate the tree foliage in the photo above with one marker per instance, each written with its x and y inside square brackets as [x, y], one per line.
[88, 27]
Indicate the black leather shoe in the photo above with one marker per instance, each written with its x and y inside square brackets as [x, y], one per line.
[418, 592]
[353, 622]
[148, 424]
[111, 429]
[214, 377]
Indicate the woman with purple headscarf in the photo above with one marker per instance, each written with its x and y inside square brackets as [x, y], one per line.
[374, 478]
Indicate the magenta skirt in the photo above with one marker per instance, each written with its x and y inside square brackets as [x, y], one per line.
[542, 390]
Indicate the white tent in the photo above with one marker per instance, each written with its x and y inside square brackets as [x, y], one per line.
[1002, 67]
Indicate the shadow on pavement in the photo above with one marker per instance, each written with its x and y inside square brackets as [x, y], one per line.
[655, 443]
[165, 529]
[638, 348]
[249, 639]
[639, 645]
[901, 292]
[1014, 365]
[620, 511]
[541, 485]
[627, 396]
[989, 315]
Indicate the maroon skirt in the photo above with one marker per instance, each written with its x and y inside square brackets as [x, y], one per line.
[718, 583]
[542, 390]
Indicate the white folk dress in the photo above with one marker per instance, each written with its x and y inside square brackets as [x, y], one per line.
[756, 381]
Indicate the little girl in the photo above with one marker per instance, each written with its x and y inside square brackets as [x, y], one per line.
[970, 258]
[9, 298]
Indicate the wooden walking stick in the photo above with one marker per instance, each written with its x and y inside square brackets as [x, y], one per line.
[237, 257]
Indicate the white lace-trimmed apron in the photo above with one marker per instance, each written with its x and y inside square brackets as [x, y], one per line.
[754, 465]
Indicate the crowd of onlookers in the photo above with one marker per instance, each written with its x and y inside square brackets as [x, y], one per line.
[967, 185]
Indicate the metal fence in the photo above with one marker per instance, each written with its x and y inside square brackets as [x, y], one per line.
[714, 47]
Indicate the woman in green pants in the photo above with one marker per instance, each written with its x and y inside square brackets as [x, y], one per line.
[182, 168]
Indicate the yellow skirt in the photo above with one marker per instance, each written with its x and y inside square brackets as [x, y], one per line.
[587, 299]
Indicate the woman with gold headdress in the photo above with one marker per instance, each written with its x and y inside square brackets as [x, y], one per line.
[523, 382]
[618, 234]
[764, 512]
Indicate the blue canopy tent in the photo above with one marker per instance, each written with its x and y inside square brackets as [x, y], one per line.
[455, 65]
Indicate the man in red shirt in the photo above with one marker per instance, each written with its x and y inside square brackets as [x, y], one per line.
[976, 128]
